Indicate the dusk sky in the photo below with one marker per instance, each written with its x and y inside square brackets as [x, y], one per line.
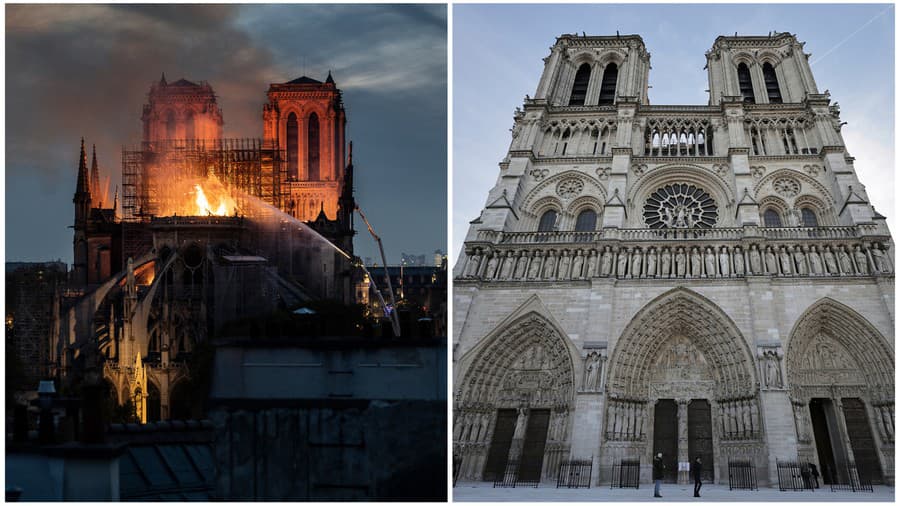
[497, 52]
[77, 71]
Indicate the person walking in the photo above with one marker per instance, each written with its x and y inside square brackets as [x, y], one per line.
[815, 474]
[658, 469]
[696, 471]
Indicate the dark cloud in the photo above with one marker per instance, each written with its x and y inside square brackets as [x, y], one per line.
[85, 70]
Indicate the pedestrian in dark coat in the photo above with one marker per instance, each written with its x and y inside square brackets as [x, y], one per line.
[696, 471]
[659, 469]
[815, 473]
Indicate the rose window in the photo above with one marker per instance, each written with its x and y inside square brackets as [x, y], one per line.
[569, 188]
[787, 186]
[680, 205]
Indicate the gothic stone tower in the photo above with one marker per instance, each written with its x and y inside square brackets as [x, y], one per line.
[181, 110]
[305, 118]
[697, 280]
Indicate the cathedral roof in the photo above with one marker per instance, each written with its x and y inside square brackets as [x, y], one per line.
[183, 82]
[304, 80]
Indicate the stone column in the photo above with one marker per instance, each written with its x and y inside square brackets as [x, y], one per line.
[842, 428]
[515, 448]
[683, 437]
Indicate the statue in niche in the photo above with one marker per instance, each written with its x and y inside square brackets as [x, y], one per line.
[565, 262]
[696, 263]
[710, 262]
[830, 261]
[507, 267]
[738, 261]
[785, 259]
[622, 264]
[606, 262]
[862, 263]
[491, 266]
[802, 423]
[520, 424]
[535, 269]
[651, 263]
[578, 266]
[522, 265]
[550, 265]
[844, 259]
[771, 262]
[800, 261]
[474, 261]
[755, 260]
[815, 261]
[680, 263]
[724, 262]
[591, 265]
[665, 263]
[879, 258]
[773, 371]
[592, 372]
[887, 417]
[636, 257]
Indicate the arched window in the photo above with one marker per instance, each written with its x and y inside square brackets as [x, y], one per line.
[586, 221]
[548, 221]
[313, 147]
[564, 141]
[579, 89]
[771, 218]
[771, 80]
[170, 125]
[809, 217]
[189, 126]
[745, 83]
[608, 85]
[293, 155]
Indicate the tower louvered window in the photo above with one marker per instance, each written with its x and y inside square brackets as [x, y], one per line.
[548, 222]
[292, 152]
[809, 217]
[579, 89]
[608, 85]
[587, 221]
[312, 147]
[745, 83]
[771, 218]
[771, 80]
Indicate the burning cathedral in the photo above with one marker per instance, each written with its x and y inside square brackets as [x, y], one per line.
[206, 231]
[693, 280]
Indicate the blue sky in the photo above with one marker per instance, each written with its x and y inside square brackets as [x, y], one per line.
[497, 52]
[85, 70]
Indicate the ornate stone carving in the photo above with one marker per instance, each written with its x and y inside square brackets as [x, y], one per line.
[757, 171]
[539, 174]
[786, 186]
[770, 367]
[569, 188]
[603, 173]
[680, 205]
[638, 169]
[593, 368]
[812, 170]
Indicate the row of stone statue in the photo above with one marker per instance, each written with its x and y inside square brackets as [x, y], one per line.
[678, 262]
[884, 419]
[739, 419]
[626, 420]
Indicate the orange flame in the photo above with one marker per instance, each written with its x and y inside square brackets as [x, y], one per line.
[205, 208]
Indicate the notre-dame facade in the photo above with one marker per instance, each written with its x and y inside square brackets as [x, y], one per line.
[693, 280]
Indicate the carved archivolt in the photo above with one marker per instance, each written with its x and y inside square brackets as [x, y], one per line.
[791, 183]
[528, 363]
[549, 187]
[683, 313]
[832, 344]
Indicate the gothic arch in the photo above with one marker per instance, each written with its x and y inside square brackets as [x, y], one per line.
[526, 360]
[829, 321]
[547, 189]
[710, 330]
[806, 184]
[696, 175]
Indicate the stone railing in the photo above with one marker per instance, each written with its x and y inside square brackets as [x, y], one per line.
[648, 234]
[663, 258]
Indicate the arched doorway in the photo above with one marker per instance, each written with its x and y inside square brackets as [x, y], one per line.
[681, 382]
[841, 375]
[514, 401]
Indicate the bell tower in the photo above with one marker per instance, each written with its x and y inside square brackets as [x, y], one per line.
[595, 70]
[181, 110]
[305, 119]
[769, 69]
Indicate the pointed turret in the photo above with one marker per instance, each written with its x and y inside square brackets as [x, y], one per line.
[162, 80]
[346, 203]
[83, 184]
[82, 201]
[95, 176]
[329, 79]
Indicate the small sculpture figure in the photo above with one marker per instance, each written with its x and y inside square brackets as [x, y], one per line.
[862, 263]
[755, 261]
[724, 262]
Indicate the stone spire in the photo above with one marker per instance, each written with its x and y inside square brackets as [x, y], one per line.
[329, 79]
[95, 175]
[83, 185]
[162, 80]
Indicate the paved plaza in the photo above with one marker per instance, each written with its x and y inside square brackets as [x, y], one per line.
[469, 492]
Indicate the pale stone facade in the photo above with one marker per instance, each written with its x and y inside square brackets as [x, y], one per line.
[698, 280]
